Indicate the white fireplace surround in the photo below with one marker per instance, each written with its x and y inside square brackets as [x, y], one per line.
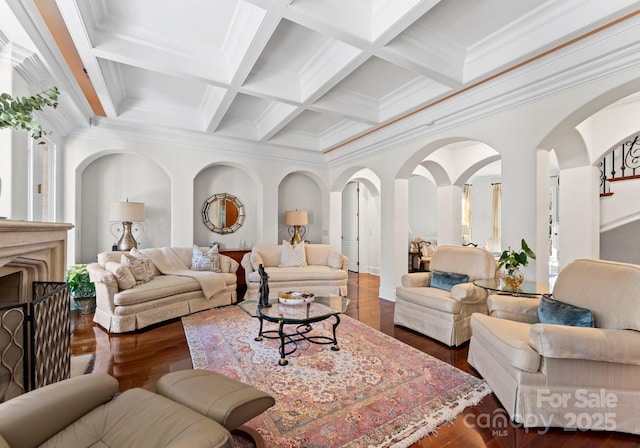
[36, 249]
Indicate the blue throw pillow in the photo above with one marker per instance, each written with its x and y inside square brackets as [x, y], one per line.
[447, 280]
[552, 311]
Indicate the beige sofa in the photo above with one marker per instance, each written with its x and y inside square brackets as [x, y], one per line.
[177, 292]
[443, 314]
[558, 375]
[192, 408]
[325, 270]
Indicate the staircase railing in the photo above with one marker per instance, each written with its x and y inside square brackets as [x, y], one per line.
[622, 162]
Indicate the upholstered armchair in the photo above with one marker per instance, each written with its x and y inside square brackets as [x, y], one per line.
[563, 375]
[439, 303]
[191, 408]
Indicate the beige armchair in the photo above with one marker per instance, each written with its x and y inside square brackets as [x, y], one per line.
[192, 408]
[424, 304]
[554, 375]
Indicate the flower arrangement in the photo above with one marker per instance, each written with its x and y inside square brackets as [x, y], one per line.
[512, 259]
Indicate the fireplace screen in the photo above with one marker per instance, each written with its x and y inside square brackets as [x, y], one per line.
[35, 340]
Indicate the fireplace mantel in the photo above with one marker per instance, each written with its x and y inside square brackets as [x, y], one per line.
[40, 248]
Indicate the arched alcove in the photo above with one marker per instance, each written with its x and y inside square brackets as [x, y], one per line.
[298, 191]
[116, 178]
[361, 222]
[222, 178]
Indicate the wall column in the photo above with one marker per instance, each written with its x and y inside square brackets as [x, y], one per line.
[14, 150]
[543, 235]
[394, 241]
[579, 214]
[335, 220]
[267, 227]
[182, 211]
[519, 204]
[449, 215]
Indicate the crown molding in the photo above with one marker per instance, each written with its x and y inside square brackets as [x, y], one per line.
[120, 133]
[614, 50]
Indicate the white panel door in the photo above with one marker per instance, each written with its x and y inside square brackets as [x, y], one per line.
[350, 224]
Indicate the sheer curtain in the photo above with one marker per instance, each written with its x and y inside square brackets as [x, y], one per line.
[466, 214]
[496, 235]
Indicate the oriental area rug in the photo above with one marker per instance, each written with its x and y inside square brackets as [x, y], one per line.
[375, 392]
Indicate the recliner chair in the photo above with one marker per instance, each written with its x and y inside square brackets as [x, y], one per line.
[439, 313]
[191, 408]
[560, 375]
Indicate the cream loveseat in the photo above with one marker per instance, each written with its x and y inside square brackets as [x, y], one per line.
[191, 408]
[568, 376]
[173, 289]
[439, 303]
[320, 270]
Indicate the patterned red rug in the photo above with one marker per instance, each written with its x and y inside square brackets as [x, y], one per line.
[374, 392]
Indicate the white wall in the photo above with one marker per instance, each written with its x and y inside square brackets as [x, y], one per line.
[298, 191]
[232, 180]
[516, 131]
[14, 152]
[482, 209]
[621, 243]
[116, 178]
[189, 175]
[423, 208]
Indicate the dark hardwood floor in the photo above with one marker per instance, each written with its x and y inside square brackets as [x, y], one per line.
[139, 359]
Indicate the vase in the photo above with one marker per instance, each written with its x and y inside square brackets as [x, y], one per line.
[513, 278]
[85, 305]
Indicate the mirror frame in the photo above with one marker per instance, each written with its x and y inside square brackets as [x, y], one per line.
[227, 198]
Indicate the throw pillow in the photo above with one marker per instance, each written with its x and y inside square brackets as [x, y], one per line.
[140, 267]
[552, 311]
[138, 254]
[292, 255]
[205, 260]
[123, 275]
[447, 280]
[334, 260]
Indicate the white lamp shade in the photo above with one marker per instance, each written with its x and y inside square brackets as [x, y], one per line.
[126, 211]
[296, 218]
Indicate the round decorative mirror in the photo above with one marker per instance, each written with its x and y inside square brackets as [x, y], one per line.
[223, 213]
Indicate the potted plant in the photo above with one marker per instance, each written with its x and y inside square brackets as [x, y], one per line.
[82, 288]
[17, 113]
[512, 260]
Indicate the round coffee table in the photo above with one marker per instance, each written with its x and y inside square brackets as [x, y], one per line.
[301, 316]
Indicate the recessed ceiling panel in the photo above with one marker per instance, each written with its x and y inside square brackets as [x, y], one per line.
[252, 117]
[379, 90]
[313, 74]
[294, 62]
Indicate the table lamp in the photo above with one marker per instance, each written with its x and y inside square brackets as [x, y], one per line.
[296, 219]
[126, 213]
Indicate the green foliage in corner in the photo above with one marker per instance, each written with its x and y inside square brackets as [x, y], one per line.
[80, 285]
[17, 113]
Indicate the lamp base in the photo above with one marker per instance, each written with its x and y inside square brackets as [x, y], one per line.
[127, 241]
[297, 235]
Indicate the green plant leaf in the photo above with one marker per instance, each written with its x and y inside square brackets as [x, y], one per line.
[17, 112]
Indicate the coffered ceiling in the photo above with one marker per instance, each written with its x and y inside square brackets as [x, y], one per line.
[307, 75]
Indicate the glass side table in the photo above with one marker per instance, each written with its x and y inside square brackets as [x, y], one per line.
[527, 289]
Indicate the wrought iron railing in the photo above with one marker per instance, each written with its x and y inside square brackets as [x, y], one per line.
[622, 162]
